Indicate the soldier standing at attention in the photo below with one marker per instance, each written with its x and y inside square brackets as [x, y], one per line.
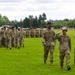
[41, 32]
[48, 43]
[27, 33]
[8, 38]
[17, 38]
[32, 33]
[22, 36]
[1, 35]
[65, 48]
[13, 42]
[37, 33]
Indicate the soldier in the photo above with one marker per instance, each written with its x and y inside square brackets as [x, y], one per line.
[32, 33]
[8, 38]
[4, 38]
[65, 47]
[41, 33]
[48, 43]
[27, 33]
[37, 33]
[1, 36]
[22, 35]
[17, 37]
[13, 38]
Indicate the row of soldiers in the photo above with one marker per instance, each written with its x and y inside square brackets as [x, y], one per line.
[12, 37]
[33, 33]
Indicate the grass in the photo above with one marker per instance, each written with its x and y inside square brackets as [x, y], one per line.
[29, 60]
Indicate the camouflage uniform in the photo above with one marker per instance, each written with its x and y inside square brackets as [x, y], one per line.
[27, 33]
[22, 35]
[49, 43]
[37, 33]
[32, 33]
[1, 36]
[65, 47]
[41, 33]
[13, 37]
[8, 38]
[17, 38]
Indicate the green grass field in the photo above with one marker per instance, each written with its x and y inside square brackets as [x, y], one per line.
[29, 60]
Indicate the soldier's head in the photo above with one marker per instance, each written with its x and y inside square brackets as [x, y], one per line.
[4, 28]
[64, 30]
[49, 24]
[12, 28]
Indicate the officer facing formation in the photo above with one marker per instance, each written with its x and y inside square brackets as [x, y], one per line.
[65, 47]
[49, 43]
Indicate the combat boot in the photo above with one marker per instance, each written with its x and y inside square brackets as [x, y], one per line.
[69, 68]
[44, 61]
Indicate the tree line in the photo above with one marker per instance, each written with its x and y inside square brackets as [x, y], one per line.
[37, 22]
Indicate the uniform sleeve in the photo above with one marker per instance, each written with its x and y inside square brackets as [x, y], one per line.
[43, 37]
[57, 36]
[70, 43]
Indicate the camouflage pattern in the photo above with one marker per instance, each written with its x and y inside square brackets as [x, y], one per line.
[17, 38]
[32, 33]
[8, 38]
[1, 36]
[22, 36]
[13, 37]
[41, 31]
[65, 47]
[36, 33]
[49, 43]
[27, 33]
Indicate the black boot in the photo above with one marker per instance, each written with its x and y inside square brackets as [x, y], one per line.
[69, 68]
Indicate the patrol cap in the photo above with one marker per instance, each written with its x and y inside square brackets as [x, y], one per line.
[4, 27]
[64, 28]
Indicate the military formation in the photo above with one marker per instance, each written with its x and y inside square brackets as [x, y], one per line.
[33, 33]
[12, 37]
[49, 40]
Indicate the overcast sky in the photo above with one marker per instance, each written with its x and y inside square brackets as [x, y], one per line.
[54, 9]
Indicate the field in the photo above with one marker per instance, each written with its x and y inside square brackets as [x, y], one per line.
[29, 60]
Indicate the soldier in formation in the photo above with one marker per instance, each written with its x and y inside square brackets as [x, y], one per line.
[12, 37]
[27, 33]
[32, 33]
[37, 33]
[22, 36]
